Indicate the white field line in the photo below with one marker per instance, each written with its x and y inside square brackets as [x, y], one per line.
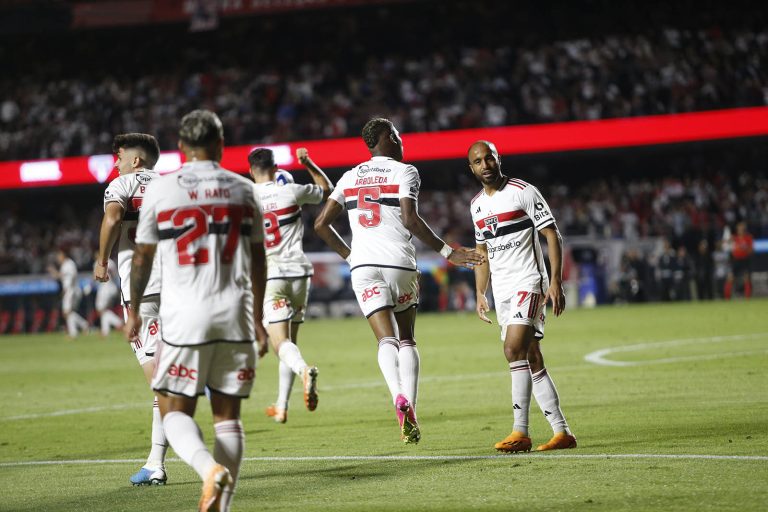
[599, 356]
[67, 412]
[411, 458]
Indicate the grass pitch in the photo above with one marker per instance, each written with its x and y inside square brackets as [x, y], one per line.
[669, 410]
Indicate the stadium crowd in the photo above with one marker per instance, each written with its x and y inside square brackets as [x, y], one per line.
[688, 216]
[444, 83]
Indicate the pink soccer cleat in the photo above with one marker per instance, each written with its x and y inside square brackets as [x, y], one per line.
[406, 417]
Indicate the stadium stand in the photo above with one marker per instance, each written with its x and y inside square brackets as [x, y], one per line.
[573, 71]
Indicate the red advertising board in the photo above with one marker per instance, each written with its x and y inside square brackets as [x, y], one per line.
[334, 153]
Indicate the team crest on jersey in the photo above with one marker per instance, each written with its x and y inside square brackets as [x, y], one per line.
[491, 223]
[142, 178]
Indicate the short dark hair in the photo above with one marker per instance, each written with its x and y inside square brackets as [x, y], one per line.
[262, 158]
[201, 129]
[374, 128]
[143, 141]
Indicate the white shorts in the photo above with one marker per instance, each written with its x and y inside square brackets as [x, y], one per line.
[106, 296]
[71, 300]
[150, 335]
[523, 308]
[286, 299]
[226, 368]
[377, 288]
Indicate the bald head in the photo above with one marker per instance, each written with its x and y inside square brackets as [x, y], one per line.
[482, 144]
[484, 163]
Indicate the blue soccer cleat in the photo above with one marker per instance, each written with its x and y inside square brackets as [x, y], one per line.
[147, 476]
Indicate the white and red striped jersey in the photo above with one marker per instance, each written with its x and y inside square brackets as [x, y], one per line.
[204, 220]
[371, 194]
[283, 228]
[507, 222]
[128, 191]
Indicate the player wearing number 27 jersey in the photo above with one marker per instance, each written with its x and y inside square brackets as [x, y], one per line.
[205, 226]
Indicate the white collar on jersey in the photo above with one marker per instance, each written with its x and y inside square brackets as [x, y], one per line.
[381, 158]
[200, 164]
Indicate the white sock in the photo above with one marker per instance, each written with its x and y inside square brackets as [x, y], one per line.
[108, 320]
[228, 451]
[186, 440]
[156, 459]
[549, 401]
[408, 358]
[289, 354]
[388, 363]
[285, 384]
[74, 323]
[521, 394]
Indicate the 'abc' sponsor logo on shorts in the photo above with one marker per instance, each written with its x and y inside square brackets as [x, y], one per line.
[182, 372]
[370, 292]
[406, 297]
[246, 374]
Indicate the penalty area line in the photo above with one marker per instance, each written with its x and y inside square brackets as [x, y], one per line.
[408, 458]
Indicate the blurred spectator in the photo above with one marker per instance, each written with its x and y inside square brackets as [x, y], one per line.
[330, 87]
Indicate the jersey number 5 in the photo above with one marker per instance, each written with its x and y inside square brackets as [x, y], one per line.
[371, 216]
[199, 227]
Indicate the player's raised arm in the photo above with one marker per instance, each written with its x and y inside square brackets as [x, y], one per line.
[413, 222]
[555, 294]
[482, 278]
[325, 230]
[108, 234]
[318, 176]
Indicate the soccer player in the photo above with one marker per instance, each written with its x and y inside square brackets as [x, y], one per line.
[106, 295]
[136, 155]
[205, 225]
[71, 293]
[289, 270]
[380, 196]
[508, 215]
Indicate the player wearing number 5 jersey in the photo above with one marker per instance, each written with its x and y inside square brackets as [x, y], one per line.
[289, 270]
[380, 197]
[206, 227]
[508, 215]
[136, 155]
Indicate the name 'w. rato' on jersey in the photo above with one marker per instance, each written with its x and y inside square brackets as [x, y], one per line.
[204, 221]
[283, 228]
[371, 193]
[128, 191]
[507, 222]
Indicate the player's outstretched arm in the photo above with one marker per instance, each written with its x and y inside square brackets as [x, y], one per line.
[318, 176]
[413, 222]
[555, 293]
[259, 285]
[324, 229]
[482, 278]
[110, 230]
[141, 268]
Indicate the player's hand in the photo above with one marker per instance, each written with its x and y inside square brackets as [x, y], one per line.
[466, 257]
[132, 326]
[556, 296]
[303, 155]
[262, 340]
[483, 308]
[100, 273]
